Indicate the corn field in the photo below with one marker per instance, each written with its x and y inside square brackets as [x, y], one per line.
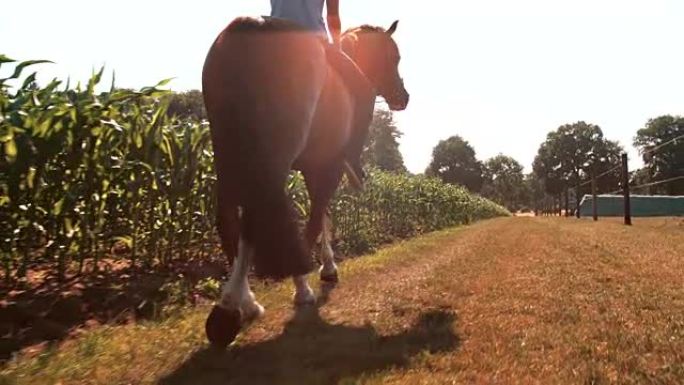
[396, 206]
[82, 171]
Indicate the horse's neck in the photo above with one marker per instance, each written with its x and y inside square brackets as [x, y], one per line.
[361, 97]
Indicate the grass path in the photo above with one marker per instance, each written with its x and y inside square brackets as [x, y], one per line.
[511, 300]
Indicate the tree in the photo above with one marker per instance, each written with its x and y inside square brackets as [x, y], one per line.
[187, 105]
[534, 192]
[640, 177]
[504, 182]
[663, 161]
[571, 153]
[454, 161]
[382, 148]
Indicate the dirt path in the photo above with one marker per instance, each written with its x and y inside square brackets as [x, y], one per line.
[514, 300]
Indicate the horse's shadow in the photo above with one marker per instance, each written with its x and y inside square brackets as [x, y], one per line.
[312, 351]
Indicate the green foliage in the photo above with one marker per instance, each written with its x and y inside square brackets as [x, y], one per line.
[394, 206]
[504, 182]
[454, 161]
[643, 176]
[534, 192]
[667, 161]
[569, 154]
[209, 288]
[382, 149]
[82, 172]
[187, 105]
[176, 295]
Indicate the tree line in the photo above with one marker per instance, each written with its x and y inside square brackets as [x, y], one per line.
[570, 155]
[565, 159]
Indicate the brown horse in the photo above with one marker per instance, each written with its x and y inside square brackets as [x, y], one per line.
[275, 104]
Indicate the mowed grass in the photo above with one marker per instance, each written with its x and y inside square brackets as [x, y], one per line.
[511, 300]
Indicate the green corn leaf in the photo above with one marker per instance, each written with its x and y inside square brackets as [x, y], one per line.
[21, 66]
[126, 240]
[29, 79]
[31, 177]
[113, 87]
[57, 208]
[69, 227]
[4, 59]
[94, 80]
[164, 82]
[11, 150]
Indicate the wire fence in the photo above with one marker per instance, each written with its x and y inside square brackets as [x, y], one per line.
[627, 186]
[658, 183]
[600, 175]
[662, 145]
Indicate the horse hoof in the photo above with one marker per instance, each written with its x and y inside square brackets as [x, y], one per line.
[330, 277]
[252, 312]
[305, 299]
[223, 326]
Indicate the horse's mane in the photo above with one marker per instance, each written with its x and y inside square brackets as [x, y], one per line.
[363, 28]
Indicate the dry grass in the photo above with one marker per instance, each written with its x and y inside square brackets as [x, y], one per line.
[513, 300]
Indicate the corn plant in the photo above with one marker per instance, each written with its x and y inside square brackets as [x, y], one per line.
[83, 173]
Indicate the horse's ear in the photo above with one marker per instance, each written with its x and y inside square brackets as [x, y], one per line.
[393, 28]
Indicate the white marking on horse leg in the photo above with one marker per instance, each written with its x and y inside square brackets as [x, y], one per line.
[251, 309]
[303, 293]
[328, 269]
[236, 292]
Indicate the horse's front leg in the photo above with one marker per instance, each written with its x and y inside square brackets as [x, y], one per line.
[304, 295]
[238, 304]
[321, 186]
[328, 270]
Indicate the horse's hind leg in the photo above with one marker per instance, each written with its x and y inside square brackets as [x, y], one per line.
[236, 292]
[237, 304]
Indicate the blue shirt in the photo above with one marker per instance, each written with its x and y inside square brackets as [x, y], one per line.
[307, 13]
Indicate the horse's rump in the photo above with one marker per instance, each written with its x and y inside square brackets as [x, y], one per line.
[261, 83]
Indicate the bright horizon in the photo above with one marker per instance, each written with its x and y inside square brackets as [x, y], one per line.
[500, 75]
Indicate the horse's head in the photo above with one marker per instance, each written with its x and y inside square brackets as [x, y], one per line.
[376, 53]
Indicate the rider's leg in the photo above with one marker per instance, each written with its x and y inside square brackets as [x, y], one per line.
[365, 95]
[349, 71]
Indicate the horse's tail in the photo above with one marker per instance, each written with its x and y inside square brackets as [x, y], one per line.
[269, 224]
[247, 171]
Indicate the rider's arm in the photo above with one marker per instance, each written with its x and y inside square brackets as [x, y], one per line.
[334, 23]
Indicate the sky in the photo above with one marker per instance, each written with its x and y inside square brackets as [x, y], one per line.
[499, 73]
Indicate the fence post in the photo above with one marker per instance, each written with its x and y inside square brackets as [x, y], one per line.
[625, 190]
[577, 197]
[594, 203]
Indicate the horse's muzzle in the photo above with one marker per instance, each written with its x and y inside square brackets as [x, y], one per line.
[399, 102]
